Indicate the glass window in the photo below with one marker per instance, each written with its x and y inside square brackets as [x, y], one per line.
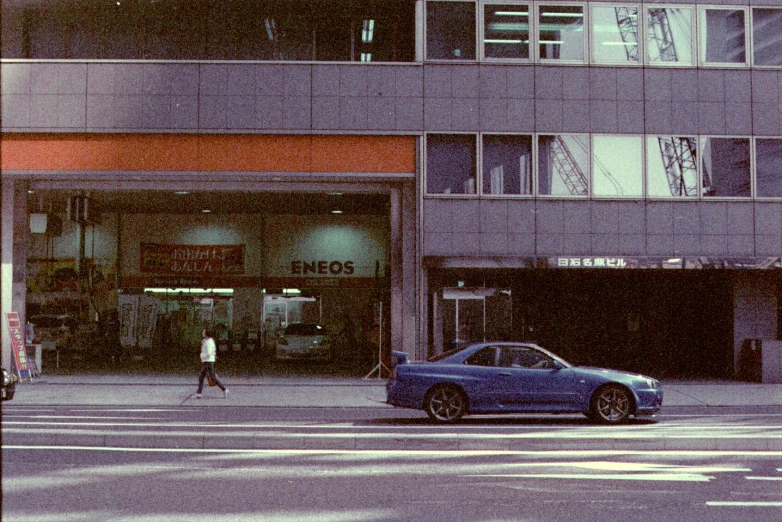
[669, 35]
[722, 36]
[450, 164]
[484, 357]
[507, 164]
[336, 30]
[506, 31]
[769, 167]
[450, 30]
[561, 32]
[671, 166]
[726, 167]
[615, 36]
[563, 165]
[766, 41]
[617, 166]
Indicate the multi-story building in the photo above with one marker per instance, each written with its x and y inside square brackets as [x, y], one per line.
[604, 178]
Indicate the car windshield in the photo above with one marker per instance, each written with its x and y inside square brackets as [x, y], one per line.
[304, 329]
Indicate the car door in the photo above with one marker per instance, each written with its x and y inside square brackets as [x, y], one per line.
[530, 380]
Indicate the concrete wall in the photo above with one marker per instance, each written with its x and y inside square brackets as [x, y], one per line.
[256, 97]
[633, 228]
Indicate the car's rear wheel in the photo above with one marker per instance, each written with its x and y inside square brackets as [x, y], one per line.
[445, 403]
[611, 404]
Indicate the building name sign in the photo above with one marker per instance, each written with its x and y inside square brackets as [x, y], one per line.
[192, 260]
[591, 262]
[330, 268]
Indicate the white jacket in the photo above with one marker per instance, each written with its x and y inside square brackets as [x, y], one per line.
[208, 350]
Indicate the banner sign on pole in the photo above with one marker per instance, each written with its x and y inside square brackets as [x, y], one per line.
[18, 345]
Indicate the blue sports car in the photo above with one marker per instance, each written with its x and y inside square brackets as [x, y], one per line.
[507, 377]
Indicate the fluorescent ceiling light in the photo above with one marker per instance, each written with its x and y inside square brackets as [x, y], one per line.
[493, 41]
[366, 57]
[271, 28]
[336, 212]
[181, 192]
[563, 15]
[508, 27]
[206, 211]
[189, 290]
[511, 13]
[367, 31]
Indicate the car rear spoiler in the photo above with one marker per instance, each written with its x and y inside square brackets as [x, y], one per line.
[398, 357]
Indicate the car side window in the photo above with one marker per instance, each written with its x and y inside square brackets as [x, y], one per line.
[522, 357]
[484, 357]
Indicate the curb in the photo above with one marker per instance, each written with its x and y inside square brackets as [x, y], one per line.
[373, 442]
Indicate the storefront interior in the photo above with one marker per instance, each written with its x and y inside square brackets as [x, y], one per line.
[75, 270]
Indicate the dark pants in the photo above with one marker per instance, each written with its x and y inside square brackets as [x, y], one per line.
[208, 368]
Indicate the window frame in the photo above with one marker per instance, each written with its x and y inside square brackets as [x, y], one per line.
[588, 173]
[701, 44]
[477, 166]
[531, 30]
[698, 183]
[754, 168]
[592, 169]
[484, 194]
[536, 35]
[476, 33]
[593, 41]
[694, 49]
[752, 35]
[701, 170]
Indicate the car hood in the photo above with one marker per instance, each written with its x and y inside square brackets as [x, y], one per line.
[594, 370]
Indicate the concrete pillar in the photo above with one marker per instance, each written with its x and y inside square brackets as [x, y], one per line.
[397, 289]
[754, 308]
[13, 257]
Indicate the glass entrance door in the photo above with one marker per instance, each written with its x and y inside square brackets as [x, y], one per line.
[469, 315]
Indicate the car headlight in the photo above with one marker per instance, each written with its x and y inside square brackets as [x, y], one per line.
[652, 383]
[6, 379]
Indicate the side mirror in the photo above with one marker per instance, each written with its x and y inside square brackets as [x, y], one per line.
[556, 365]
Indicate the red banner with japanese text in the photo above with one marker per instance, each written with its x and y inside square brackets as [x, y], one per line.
[18, 343]
[192, 260]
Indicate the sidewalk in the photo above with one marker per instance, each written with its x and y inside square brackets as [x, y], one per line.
[167, 390]
[266, 391]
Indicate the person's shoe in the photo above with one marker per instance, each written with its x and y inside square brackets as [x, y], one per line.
[225, 393]
[198, 395]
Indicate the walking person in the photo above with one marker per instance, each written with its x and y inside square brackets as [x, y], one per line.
[208, 356]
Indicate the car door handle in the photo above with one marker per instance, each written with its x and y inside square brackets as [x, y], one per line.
[504, 374]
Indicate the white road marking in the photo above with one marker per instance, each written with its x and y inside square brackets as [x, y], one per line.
[670, 477]
[763, 478]
[457, 453]
[719, 503]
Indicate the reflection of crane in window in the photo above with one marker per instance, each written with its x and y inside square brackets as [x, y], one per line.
[568, 169]
[627, 21]
[678, 154]
[681, 167]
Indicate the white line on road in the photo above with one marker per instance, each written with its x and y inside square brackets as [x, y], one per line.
[719, 503]
[550, 453]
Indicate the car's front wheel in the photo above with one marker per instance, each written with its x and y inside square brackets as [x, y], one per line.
[446, 403]
[611, 404]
